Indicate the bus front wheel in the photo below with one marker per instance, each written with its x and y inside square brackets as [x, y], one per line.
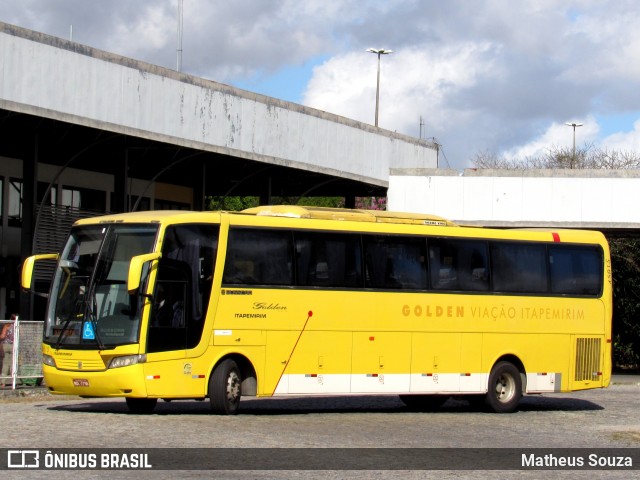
[505, 388]
[225, 388]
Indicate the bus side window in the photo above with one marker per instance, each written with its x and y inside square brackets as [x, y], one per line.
[458, 264]
[575, 270]
[472, 255]
[443, 259]
[395, 262]
[328, 259]
[258, 257]
[519, 267]
[242, 272]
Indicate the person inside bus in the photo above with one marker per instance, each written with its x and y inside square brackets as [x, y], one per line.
[177, 314]
[163, 312]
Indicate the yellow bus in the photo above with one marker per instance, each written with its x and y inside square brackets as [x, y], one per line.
[289, 300]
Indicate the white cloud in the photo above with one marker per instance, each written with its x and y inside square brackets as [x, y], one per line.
[413, 83]
[624, 141]
[496, 79]
[608, 40]
[150, 31]
[557, 135]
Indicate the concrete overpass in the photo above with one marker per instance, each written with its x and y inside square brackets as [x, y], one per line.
[67, 104]
[604, 200]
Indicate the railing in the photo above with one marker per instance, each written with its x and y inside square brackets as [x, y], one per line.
[26, 355]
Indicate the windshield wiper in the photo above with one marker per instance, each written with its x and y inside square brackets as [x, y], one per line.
[84, 312]
[91, 308]
[62, 331]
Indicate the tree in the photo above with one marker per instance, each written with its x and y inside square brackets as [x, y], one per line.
[491, 160]
[330, 202]
[232, 203]
[240, 203]
[625, 264]
[586, 157]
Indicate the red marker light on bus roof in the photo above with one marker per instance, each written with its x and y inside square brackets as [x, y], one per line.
[556, 236]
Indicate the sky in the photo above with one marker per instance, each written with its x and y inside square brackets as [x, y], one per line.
[476, 76]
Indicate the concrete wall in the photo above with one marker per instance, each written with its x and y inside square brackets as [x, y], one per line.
[569, 198]
[59, 79]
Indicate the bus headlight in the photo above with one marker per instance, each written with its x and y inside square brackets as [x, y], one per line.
[48, 360]
[127, 360]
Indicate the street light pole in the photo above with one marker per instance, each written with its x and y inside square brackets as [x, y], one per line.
[378, 51]
[574, 125]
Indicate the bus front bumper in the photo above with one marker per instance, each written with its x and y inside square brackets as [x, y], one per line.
[118, 382]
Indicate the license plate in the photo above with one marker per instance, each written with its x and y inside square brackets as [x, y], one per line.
[80, 382]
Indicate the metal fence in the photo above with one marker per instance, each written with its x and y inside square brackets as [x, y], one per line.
[26, 355]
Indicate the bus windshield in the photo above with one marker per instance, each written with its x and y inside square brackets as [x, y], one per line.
[89, 305]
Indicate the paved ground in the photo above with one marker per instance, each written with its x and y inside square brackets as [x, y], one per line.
[589, 420]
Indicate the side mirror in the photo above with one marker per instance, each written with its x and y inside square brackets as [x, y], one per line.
[135, 270]
[26, 276]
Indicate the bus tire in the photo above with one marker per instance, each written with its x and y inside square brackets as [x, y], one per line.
[424, 402]
[141, 405]
[505, 388]
[225, 388]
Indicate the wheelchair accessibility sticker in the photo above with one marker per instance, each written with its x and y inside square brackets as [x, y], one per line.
[88, 332]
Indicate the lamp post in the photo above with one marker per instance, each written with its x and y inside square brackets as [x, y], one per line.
[574, 125]
[378, 51]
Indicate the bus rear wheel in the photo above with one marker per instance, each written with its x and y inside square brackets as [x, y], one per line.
[141, 405]
[505, 388]
[225, 388]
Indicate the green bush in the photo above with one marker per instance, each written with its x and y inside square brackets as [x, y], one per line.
[625, 264]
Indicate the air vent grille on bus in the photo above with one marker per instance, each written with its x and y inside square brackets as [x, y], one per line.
[588, 358]
[77, 365]
[52, 228]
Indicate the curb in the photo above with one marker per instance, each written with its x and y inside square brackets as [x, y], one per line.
[23, 392]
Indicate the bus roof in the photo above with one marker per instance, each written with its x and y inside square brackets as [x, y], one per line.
[145, 216]
[289, 211]
[345, 214]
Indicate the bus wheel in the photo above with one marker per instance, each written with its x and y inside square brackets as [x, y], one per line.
[141, 405]
[225, 388]
[424, 402]
[505, 388]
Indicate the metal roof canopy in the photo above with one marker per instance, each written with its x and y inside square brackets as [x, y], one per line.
[95, 150]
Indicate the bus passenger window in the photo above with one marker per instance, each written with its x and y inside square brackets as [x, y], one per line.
[576, 270]
[328, 260]
[394, 262]
[457, 264]
[242, 272]
[475, 274]
[258, 257]
[519, 267]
